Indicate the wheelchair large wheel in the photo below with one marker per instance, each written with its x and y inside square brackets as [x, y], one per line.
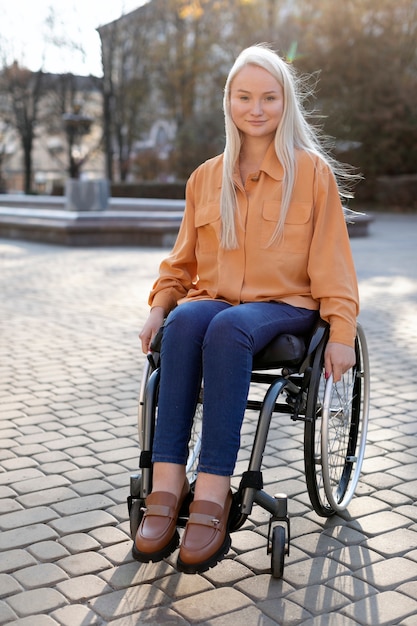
[194, 445]
[335, 438]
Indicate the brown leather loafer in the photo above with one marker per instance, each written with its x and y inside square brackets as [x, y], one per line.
[206, 539]
[157, 535]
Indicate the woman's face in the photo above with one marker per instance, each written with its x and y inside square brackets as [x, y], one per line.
[256, 102]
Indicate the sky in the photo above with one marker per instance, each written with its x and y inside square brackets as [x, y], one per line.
[25, 37]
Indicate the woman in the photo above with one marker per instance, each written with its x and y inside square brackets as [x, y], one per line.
[263, 249]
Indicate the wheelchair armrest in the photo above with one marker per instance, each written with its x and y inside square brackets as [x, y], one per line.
[156, 341]
[320, 333]
[155, 349]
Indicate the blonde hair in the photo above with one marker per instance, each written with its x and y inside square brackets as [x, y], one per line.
[293, 133]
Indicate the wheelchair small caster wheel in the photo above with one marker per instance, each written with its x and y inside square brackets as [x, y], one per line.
[278, 551]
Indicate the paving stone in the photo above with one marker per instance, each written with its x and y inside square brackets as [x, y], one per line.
[248, 615]
[83, 563]
[81, 588]
[316, 599]
[244, 540]
[8, 586]
[389, 573]
[365, 505]
[356, 557]
[20, 537]
[330, 619]
[409, 589]
[399, 542]
[119, 553]
[316, 544]
[46, 497]
[47, 551]
[43, 575]
[179, 585]
[18, 519]
[152, 617]
[388, 608]
[108, 535]
[82, 504]
[7, 492]
[211, 604]
[90, 487]
[35, 620]
[18, 463]
[119, 511]
[82, 522]
[228, 572]
[79, 542]
[284, 612]
[76, 614]
[134, 573]
[32, 602]
[263, 587]
[9, 505]
[408, 511]
[17, 476]
[393, 498]
[314, 571]
[385, 521]
[7, 615]
[83, 475]
[39, 484]
[12, 560]
[58, 467]
[127, 601]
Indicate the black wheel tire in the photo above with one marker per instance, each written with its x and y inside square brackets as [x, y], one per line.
[278, 551]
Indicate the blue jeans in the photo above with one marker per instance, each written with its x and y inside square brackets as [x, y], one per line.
[214, 341]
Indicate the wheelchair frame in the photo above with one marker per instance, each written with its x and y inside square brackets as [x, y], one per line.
[335, 420]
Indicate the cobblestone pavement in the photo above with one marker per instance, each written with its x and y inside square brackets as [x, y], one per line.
[70, 368]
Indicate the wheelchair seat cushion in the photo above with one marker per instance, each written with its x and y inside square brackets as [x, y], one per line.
[283, 350]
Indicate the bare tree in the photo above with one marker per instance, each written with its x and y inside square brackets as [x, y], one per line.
[367, 53]
[25, 90]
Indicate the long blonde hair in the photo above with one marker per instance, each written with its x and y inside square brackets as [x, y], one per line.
[293, 132]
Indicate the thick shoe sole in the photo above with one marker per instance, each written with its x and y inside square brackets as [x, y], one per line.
[198, 568]
[159, 555]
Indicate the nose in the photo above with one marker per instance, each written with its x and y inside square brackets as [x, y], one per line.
[257, 108]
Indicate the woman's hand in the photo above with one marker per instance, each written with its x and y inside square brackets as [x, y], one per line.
[151, 327]
[338, 358]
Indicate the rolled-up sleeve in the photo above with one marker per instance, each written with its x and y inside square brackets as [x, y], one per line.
[331, 268]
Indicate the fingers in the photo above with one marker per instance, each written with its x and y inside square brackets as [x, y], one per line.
[145, 339]
[338, 358]
[151, 327]
[332, 368]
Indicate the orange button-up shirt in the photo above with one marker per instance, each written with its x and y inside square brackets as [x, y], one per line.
[311, 266]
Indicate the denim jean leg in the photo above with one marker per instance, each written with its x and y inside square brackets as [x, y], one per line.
[231, 340]
[181, 366]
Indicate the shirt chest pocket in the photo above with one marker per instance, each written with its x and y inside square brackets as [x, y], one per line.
[207, 223]
[297, 228]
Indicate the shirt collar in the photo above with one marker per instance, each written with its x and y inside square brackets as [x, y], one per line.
[271, 165]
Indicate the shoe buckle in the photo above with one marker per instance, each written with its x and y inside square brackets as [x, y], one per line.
[215, 522]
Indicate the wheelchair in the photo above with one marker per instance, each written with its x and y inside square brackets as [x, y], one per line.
[335, 417]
